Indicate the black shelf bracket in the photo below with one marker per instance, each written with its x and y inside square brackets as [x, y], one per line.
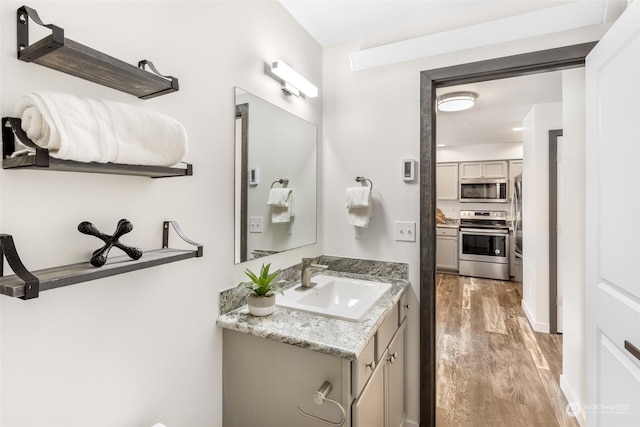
[62, 54]
[12, 127]
[179, 232]
[8, 251]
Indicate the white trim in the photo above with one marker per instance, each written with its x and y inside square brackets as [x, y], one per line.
[572, 16]
[573, 398]
[409, 423]
[536, 326]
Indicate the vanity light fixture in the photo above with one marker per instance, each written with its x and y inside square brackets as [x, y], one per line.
[456, 101]
[292, 82]
[516, 129]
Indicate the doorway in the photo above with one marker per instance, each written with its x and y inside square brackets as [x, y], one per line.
[430, 80]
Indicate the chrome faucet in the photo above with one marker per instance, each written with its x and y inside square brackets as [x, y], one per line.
[307, 268]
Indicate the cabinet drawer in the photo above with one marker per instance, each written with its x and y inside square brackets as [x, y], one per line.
[404, 307]
[363, 367]
[446, 231]
[387, 331]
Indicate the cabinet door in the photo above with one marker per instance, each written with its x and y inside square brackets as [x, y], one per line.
[368, 409]
[515, 169]
[447, 181]
[447, 253]
[495, 169]
[396, 379]
[471, 170]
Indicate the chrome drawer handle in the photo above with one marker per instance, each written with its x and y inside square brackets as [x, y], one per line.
[371, 365]
[407, 306]
[632, 349]
[392, 357]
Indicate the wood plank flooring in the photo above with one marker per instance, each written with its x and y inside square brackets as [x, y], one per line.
[492, 368]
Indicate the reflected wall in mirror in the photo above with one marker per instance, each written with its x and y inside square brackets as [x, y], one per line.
[273, 145]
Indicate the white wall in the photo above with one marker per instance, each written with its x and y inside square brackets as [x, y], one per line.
[535, 211]
[139, 348]
[571, 226]
[479, 152]
[372, 122]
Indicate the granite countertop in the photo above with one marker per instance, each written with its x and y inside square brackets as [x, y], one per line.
[341, 338]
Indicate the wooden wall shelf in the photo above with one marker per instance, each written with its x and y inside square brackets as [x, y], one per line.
[41, 160]
[62, 54]
[27, 285]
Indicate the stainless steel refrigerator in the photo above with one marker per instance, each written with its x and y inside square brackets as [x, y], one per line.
[516, 218]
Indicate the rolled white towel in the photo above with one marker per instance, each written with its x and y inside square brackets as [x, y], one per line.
[88, 130]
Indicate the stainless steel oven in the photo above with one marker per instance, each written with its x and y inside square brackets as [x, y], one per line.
[484, 244]
[483, 190]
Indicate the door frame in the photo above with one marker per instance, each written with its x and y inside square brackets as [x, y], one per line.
[554, 134]
[430, 80]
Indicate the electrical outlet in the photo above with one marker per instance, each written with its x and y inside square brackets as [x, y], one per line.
[405, 231]
[255, 224]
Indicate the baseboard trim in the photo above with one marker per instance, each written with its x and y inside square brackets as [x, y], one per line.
[409, 423]
[572, 398]
[536, 326]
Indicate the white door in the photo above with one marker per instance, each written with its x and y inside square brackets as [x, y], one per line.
[613, 225]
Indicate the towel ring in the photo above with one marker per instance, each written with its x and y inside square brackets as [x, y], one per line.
[362, 179]
[283, 181]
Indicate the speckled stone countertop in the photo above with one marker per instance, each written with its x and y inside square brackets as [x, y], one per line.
[341, 338]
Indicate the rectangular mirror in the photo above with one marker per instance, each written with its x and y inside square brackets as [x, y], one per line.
[274, 150]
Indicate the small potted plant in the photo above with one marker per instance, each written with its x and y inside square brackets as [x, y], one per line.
[262, 298]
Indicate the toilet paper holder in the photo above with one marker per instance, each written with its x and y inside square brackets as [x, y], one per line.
[319, 397]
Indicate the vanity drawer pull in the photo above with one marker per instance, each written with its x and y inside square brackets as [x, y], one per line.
[371, 365]
[407, 306]
[392, 357]
[632, 349]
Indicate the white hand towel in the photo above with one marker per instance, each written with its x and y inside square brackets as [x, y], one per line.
[279, 197]
[358, 197]
[359, 206]
[88, 130]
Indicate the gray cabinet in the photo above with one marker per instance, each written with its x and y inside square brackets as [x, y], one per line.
[395, 379]
[488, 169]
[447, 249]
[371, 389]
[368, 409]
[447, 181]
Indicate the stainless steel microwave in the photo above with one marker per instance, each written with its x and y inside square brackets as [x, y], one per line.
[483, 190]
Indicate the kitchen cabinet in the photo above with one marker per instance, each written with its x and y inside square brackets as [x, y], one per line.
[447, 181]
[515, 169]
[488, 169]
[277, 378]
[447, 249]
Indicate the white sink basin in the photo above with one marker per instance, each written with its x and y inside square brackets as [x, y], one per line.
[342, 298]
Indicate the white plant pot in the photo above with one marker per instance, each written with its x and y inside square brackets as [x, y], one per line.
[261, 306]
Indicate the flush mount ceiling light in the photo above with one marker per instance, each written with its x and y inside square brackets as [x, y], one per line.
[292, 82]
[456, 101]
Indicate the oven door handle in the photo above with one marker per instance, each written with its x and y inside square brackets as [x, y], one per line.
[482, 231]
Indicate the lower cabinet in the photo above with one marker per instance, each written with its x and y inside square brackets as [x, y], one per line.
[447, 249]
[276, 379]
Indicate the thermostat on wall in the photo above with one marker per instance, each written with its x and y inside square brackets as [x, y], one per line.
[254, 176]
[408, 170]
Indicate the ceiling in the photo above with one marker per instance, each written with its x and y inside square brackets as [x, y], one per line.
[501, 105]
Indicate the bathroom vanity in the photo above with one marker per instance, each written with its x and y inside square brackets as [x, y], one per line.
[273, 365]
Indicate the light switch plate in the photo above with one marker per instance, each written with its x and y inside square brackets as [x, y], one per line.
[405, 231]
[255, 224]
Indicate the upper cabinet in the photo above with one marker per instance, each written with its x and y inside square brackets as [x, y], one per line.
[489, 169]
[447, 181]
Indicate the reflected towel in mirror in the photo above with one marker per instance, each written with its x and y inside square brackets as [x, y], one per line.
[281, 202]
